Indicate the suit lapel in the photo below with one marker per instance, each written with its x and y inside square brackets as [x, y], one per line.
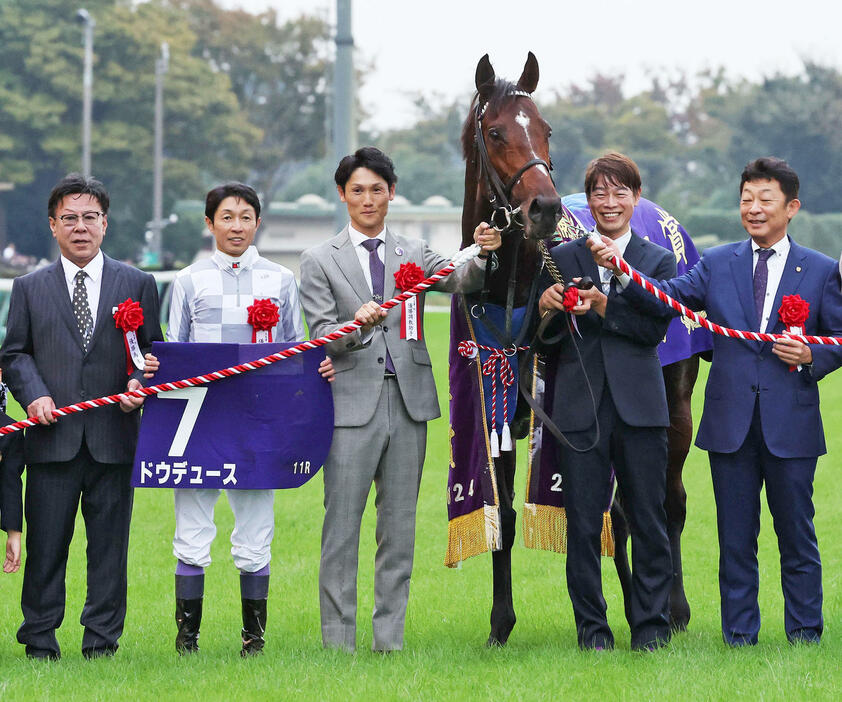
[345, 257]
[108, 288]
[57, 285]
[586, 263]
[795, 269]
[391, 264]
[635, 252]
[742, 275]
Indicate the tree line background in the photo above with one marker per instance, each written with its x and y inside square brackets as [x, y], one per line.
[247, 98]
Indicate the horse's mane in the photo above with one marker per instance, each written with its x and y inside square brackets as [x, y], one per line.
[502, 89]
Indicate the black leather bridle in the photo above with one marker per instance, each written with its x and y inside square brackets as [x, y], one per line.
[503, 216]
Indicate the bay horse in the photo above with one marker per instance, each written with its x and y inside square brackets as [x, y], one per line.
[505, 143]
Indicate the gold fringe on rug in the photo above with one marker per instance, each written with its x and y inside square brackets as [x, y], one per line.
[545, 527]
[472, 534]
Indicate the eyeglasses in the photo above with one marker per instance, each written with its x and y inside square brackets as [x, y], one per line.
[88, 219]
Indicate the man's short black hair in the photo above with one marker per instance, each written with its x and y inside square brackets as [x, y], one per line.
[367, 157]
[616, 169]
[238, 190]
[771, 168]
[77, 184]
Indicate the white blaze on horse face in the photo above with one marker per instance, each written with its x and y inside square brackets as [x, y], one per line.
[523, 120]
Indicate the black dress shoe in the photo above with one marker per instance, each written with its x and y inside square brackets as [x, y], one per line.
[42, 654]
[99, 652]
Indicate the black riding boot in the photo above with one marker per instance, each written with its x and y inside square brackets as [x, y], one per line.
[254, 625]
[188, 617]
[189, 590]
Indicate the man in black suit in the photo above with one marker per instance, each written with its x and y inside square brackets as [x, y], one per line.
[617, 345]
[62, 346]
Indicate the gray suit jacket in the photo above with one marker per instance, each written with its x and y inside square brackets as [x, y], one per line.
[42, 355]
[333, 288]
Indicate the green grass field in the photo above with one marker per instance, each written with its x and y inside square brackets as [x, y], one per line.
[448, 619]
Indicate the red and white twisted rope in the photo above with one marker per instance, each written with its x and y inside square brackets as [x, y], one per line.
[459, 259]
[712, 326]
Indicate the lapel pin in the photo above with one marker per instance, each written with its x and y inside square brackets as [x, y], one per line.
[798, 269]
[398, 251]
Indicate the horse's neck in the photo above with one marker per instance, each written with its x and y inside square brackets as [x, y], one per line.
[476, 209]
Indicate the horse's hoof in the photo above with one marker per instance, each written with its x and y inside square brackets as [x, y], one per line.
[494, 642]
[500, 630]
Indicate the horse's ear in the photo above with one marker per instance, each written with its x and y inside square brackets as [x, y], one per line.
[528, 80]
[484, 78]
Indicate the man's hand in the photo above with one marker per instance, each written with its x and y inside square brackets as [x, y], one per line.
[12, 562]
[326, 369]
[590, 299]
[130, 404]
[370, 315]
[604, 253]
[151, 364]
[41, 409]
[793, 352]
[487, 236]
[551, 299]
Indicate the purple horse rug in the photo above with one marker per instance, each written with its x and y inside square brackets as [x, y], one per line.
[476, 433]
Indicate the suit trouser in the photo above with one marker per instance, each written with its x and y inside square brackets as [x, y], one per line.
[53, 495]
[639, 458]
[254, 526]
[388, 451]
[737, 480]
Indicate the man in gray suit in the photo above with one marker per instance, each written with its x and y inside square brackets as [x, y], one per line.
[62, 346]
[384, 394]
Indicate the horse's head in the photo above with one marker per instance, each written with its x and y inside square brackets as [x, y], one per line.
[507, 140]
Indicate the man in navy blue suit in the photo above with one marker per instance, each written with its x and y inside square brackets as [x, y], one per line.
[761, 421]
[627, 428]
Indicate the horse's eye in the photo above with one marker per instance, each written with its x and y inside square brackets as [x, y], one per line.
[494, 133]
[549, 132]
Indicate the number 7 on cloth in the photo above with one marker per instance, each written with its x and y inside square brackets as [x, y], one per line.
[264, 429]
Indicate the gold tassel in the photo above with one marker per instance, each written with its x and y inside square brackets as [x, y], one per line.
[472, 534]
[545, 528]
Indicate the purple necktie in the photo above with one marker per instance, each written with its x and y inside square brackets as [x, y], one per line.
[761, 275]
[378, 272]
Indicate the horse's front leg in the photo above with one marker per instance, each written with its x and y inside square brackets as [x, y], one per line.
[502, 608]
[679, 379]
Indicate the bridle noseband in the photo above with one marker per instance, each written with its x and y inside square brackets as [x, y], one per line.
[503, 216]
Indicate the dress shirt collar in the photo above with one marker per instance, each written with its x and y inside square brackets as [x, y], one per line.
[93, 268]
[781, 248]
[358, 238]
[235, 264]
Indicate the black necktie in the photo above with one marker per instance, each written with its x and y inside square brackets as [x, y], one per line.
[82, 310]
[378, 273]
[761, 276]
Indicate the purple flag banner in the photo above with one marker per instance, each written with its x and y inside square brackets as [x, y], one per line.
[684, 337]
[264, 429]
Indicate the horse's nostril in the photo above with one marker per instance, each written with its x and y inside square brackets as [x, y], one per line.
[543, 207]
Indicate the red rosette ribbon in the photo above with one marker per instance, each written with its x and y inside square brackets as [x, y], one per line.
[793, 312]
[407, 277]
[263, 316]
[128, 317]
[571, 298]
